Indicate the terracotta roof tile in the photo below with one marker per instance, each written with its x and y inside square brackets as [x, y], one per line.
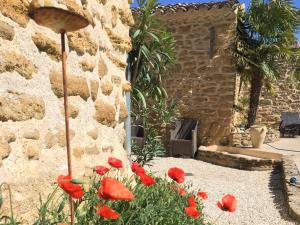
[163, 9]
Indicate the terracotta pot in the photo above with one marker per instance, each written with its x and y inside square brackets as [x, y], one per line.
[258, 135]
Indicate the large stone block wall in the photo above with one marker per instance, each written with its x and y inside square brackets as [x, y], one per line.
[32, 135]
[203, 80]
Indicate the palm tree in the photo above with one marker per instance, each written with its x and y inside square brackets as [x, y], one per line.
[263, 47]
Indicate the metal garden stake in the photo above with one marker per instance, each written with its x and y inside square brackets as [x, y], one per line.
[61, 21]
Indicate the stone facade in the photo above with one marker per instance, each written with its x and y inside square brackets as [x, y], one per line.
[203, 80]
[32, 135]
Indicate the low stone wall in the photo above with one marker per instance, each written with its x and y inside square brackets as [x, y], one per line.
[236, 161]
[291, 192]
[32, 131]
[241, 137]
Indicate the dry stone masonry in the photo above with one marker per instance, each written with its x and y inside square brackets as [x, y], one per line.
[13, 61]
[76, 85]
[32, 130]
[47, 45]
[203, 79]
[285, 97]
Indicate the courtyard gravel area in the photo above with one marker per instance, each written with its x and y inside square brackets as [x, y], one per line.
[259, 193]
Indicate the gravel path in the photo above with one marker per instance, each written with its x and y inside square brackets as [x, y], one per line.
[286, 146]
[259, 193]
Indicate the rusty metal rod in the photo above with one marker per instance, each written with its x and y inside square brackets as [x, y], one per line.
[65, 87]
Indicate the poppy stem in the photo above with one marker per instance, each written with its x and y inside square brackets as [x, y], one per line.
[10, 199]
[216, 220]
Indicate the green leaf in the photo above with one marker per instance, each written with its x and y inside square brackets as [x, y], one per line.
[61, 207]
[77, 181]
[154, 36]
[1, 199]
[142, 98]
[136, 33]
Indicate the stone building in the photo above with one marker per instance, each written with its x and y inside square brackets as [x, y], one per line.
[32, 132]
[203, 81]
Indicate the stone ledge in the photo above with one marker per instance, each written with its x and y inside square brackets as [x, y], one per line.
[291, 193]
[236, 161]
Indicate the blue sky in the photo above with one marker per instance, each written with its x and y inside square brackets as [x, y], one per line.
[164, 2]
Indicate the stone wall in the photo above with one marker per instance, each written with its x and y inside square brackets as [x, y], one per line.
[284, 97]
[204, 78]
[32, 132]
[240, 137]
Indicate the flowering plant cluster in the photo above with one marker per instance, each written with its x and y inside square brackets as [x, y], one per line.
[142, 199]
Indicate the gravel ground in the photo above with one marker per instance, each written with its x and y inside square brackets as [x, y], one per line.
[259, 193]
[286, 146]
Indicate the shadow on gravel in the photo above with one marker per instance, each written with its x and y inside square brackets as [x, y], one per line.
[276, 189]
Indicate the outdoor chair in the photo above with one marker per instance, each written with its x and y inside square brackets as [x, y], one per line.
[138, 135]
[184, 138]
[290, 124]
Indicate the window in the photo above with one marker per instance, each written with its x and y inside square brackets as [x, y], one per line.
[212, 38]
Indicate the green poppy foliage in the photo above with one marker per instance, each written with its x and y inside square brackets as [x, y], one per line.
[158, 204]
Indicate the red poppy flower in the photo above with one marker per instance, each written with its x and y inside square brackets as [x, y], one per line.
[228, 203]
[202, 195]
[117, 163]
[107, 212]
[176, 174]
[147, 180]
[192, 201]
[74, 190]
[101, 170]
[192, 212]
[140, 171]
[114, 190]
[137, 169]
[134, 166]
[182, 192]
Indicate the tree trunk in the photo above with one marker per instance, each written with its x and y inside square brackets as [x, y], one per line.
[256, 86]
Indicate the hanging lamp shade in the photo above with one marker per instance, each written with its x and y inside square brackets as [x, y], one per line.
[57, 18]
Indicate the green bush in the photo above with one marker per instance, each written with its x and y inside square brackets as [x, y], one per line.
[152, 148]
[158, 204]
